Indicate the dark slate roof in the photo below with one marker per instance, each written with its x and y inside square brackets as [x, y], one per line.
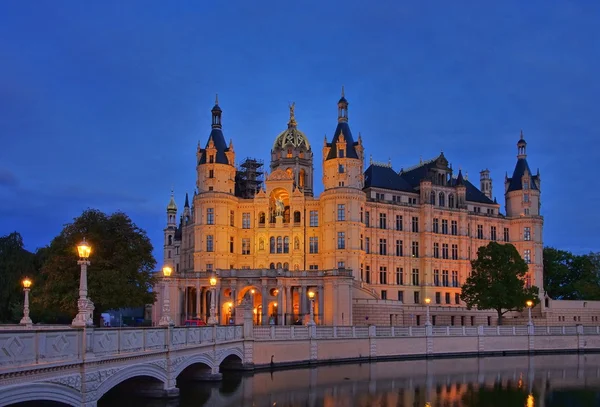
[385, 177]
[217, 136]
[414, 176]
[187, 201]
[515, 183]
[179, 231]
[350, 143]
[475, 195]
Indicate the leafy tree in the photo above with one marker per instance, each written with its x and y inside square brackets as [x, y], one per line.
[120, 274]
[15, 264]
[497, 280]
[571, 277]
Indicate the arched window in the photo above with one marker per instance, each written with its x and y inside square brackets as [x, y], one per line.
[170, 240]
[450, 201]
[286, 266]
[278, 266]
[272, 266]
[432, 198]
[301, 178]
[440, 179]
[286, 244]
[442, 200]
[290, 172]
[289, 153]
[261, 218]
[261, 244]
[297, 217]
[272, 244]
[296, 267]
[279, 244]
[296, 243]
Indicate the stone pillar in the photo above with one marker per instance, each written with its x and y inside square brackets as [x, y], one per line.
[289, 309]
[203, 304]
[265, 304]
[320, 299]
[372, 341]
[233, 302]
[480, 339]
[280, 305]
[302, 301]
[198, 310]
[218, 303]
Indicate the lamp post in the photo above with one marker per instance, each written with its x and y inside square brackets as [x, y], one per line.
[165, 319]
[26, 320]
[428, 301]
[212, 320]
[529, 304]
[311, 296]
[85, 307]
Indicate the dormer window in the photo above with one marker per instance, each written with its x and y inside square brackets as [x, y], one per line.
[341, 169]
[289, 153]
[211, 158]
[525, 197]
[341, 153]
[526, 184]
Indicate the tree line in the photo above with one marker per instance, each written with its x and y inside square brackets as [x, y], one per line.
[120, 274]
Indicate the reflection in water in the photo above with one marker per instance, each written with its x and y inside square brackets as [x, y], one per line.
[523, 381]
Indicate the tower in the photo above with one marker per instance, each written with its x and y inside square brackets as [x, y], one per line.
[485, 183]
[292, 153]
[522, 195]
[522, 190]
[170, 231]
[343, 158]
[216, 162]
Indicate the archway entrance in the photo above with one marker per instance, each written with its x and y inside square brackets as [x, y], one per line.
[252, 295]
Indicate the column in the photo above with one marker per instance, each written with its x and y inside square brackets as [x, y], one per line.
[218, 297]
[320, 293]
[288, 306]
[302, 303]
[233, 302]
[280, 305]
[203, 304]
[198, 310]
[265, 305]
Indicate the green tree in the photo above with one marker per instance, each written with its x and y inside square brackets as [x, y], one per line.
[497, 280]
[15, 264]
[571, 277]
[120, 274]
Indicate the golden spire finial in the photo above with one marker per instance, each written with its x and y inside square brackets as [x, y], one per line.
[292, 121]
[343, 91]
[216, 98]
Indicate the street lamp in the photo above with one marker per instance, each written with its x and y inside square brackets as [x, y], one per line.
[85, 307]
[311, 296]
[26, 320]
[212, 320]
[165, 319]
[529, 304]
[427, 301]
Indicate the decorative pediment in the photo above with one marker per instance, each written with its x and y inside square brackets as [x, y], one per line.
[280, 175]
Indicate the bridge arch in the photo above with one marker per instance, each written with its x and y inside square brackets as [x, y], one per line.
[40, 392]
[140, 370]
[202, 359]
[230, 352]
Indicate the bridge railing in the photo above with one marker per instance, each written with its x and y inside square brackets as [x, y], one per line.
[20, 348]
[274, 332]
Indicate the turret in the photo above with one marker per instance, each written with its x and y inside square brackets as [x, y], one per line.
[216, 162]
[522, 190]
[485, 183]
[343, 157]
[170, 230]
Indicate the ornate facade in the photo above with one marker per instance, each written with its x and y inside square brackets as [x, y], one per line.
[374, 244]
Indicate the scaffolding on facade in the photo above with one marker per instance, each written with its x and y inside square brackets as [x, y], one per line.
[249, 178]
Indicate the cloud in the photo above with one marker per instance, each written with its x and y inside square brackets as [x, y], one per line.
[8, 178]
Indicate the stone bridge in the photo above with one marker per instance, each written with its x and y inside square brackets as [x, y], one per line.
[78, 366]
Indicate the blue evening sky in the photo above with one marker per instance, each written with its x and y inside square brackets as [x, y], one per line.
[102, 104]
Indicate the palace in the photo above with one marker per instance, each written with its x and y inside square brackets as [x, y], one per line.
[369, 249]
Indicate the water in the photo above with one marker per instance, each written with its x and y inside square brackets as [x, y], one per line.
[524, 381]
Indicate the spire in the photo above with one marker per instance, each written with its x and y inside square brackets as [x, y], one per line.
[172, 206]
[292, 122]
[460, 179]
[216, 114]
[343, 108]
[187, 201]
[521, 147]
